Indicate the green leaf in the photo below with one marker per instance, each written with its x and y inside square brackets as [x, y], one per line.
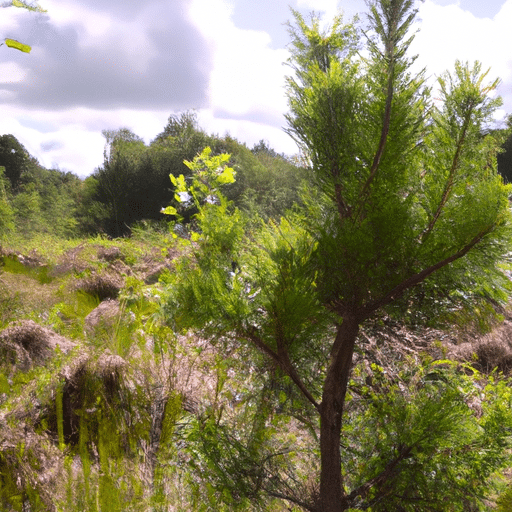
[180, 183]
[227, 176]
[11, 43]
[170, 210]
[24, 5]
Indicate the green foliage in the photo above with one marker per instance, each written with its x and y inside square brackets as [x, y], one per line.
[10, 306]
[12, 264]
[505, 156]
[105, 483]
[276, 188]
[68, 317]
[6, 212]
[505, 500]
[267, 184]
[443, 428]
[25, 5]
[45, 247]
[390, 194]
[33, 198]
[403, 202]
[208, 174]
[133, 183]
[14, 157]
[27, 206]
[11, 43]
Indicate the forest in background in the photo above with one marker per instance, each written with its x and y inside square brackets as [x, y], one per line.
[132, 185]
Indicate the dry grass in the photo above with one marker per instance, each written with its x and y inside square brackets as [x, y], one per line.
[24, 295]
[387, 342]
[135, 385]
[105, 285]
[489, 352]
[39, 342]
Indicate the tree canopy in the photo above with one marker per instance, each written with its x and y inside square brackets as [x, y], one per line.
[14, 157]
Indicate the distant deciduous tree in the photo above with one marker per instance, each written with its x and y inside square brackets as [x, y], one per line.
[14, 157]
[179, 127]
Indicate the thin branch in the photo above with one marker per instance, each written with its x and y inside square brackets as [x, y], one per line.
[398, 290]
[451, 178]
[283, 362]
[344, 211]
[291, 499]
[383, 136]
[384, 133]
[381, 478]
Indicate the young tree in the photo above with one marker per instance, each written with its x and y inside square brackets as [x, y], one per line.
[406, 191]
[404, 202]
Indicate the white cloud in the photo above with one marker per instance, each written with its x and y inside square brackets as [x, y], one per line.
[449, 33]
[11, 72]
[328, 7]
[246, 92]
[64, 13]
[95, 55]
[233, 76]
[247, 73]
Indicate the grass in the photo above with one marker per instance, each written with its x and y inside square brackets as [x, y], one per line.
[47, 247]
[123, 367]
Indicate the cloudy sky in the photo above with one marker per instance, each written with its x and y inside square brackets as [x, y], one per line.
[99, 65]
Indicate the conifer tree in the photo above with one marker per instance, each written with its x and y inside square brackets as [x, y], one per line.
[404, 201]
[406, 190]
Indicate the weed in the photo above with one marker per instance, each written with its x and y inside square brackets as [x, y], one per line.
[10, 306]
[68, 318]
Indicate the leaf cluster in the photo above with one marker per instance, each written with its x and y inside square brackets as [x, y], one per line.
[430, 438]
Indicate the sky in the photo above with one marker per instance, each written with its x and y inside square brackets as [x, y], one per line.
[98, 65]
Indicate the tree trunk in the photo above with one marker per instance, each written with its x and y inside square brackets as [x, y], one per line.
[332, 495]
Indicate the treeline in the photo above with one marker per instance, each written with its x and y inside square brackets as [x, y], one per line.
[132, 185]
[34, 199]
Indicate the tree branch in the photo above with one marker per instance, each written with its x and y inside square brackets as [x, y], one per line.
[283, 362]
[381, 478]
[291, 499]
[383, 136]
[398, 290]
[451, 179]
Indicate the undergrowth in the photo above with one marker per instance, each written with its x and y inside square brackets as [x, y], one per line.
[136, 418]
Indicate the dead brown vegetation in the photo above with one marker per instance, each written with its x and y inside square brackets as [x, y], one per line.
[104, 285]
[26, 343]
